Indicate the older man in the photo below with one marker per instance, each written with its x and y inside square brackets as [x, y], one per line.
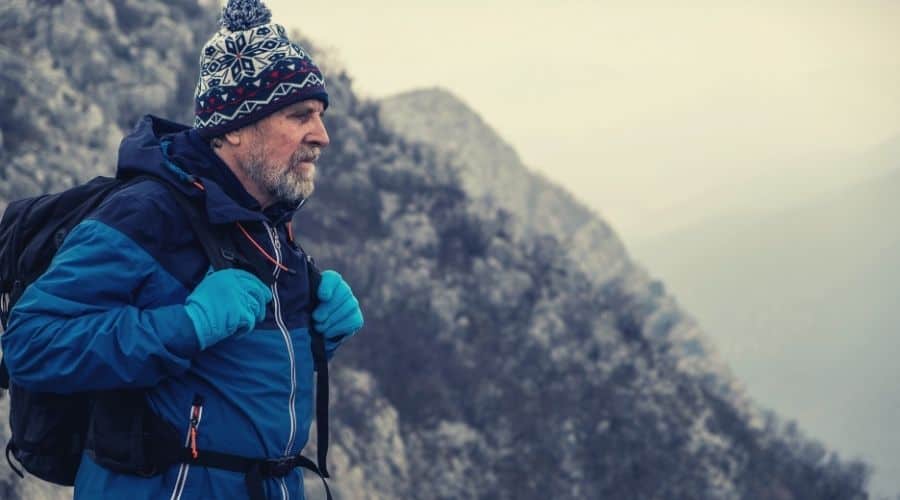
[131, 305]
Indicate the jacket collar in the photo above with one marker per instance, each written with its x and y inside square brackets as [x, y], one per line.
[178, 154]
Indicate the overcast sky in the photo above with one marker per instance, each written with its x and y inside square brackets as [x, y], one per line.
[636, 109]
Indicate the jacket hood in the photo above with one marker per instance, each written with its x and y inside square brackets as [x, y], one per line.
[177, 154]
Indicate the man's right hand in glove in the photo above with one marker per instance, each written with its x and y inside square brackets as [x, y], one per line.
[226, 302]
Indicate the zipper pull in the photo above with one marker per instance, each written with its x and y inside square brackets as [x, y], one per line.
[196, 410]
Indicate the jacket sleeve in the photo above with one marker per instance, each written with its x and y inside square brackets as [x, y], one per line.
[80, 327]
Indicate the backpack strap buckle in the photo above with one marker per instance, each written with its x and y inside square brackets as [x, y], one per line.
[278, 467]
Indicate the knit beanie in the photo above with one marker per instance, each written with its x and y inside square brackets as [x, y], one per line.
[249, 69]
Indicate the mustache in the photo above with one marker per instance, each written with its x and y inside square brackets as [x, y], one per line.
[310, 154]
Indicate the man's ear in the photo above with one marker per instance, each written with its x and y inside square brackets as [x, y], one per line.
[234, 137]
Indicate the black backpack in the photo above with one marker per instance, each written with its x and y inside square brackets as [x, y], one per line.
[49, 432]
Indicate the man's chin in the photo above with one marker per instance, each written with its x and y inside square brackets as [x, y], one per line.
[305, 189]
[295, 194]
[299, 183]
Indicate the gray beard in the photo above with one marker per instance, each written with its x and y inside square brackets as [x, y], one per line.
[282, 183]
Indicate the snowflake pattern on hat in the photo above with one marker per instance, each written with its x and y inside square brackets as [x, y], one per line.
[246, 75]
[243, 55]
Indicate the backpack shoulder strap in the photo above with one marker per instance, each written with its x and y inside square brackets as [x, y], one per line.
[217, 242]
[320, 363]
[219, 249]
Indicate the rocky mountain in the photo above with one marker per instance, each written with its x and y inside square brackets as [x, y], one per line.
[495, 178]
[71, 83]
[495, 363]
[816, 335]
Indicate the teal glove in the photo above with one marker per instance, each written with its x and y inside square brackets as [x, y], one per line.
[226, 302]
[338, 316]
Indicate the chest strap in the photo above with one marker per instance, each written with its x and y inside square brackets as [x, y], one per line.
[255, 470]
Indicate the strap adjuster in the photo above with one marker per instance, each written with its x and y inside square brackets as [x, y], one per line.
[278, 467]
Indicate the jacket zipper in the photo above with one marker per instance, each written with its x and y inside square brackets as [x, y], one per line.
[279, 320]
[190, 441]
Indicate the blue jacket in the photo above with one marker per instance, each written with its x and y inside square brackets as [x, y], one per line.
[109, 314]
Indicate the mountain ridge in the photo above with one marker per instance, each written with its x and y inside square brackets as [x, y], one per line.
[439, 119]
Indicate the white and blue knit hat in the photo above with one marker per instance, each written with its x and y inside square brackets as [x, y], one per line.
[249, 69]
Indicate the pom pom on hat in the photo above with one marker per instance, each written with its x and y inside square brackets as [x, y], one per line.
[241, 15]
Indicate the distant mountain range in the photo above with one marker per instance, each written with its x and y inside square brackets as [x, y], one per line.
[803, 305]
[512, 349]
[779, 184]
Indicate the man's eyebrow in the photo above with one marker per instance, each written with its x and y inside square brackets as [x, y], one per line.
[305, 108]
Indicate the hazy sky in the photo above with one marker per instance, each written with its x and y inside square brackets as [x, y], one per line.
[636, 109]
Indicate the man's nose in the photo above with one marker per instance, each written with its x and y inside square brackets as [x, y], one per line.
[319, 134]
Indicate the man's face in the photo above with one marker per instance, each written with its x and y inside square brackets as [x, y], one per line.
[283, 149]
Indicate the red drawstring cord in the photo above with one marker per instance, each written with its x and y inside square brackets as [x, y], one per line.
[290, 232]
[261, 249]
[196, 182]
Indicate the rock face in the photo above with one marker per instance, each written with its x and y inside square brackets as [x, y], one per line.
[497, 362]
[76, 74]
[494, 177]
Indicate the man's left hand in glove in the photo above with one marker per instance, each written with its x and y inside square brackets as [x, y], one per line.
[338, 316]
